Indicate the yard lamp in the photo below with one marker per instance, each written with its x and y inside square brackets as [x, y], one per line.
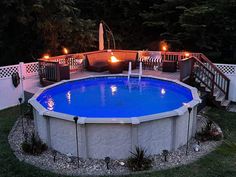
[76, 138]
[54, 154]
[22, 117]
[165, 154]
[107, 161]
[189, 114]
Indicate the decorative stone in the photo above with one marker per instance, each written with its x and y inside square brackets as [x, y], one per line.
[93, 167]
[196, 147]
[122, 163]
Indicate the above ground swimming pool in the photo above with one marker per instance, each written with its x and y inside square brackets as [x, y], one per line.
[110, 97]
[115, 115]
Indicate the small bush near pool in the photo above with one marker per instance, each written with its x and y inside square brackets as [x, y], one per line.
[35, 146]
[138, 161]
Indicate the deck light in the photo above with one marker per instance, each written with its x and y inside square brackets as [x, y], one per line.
[164, 48]
[46, 56]
[107, 161]
[186, 54]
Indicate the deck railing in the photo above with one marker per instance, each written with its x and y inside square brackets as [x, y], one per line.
[186, 66]
[206, 73]
[73, 60]
[221, 80]
[203, 75]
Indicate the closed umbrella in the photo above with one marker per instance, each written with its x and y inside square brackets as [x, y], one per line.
[101, 37]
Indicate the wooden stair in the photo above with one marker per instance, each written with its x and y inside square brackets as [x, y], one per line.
[218, 98]
[206, 79]
[196, 69]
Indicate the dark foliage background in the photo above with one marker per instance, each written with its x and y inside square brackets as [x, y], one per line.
[29, 28]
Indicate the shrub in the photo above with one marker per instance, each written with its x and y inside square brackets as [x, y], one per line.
[138, 160]
[209, 132]
[35, 146]
[26, 147]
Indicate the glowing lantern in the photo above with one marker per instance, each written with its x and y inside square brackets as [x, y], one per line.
[46, 56]
[65, 51]
[114, 59]
[164, 48]
[186, 54]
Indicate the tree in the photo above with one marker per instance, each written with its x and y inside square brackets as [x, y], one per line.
[31, 28]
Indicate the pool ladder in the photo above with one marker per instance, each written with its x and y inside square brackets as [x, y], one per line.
[139, 74]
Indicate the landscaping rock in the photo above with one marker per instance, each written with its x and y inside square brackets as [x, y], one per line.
[67, 165]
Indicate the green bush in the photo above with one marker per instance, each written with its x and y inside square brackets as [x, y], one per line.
[138, 160]
[35, 146]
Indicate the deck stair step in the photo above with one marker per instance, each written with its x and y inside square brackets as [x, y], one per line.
[216, 93]
[220, 98]
[202, 85]
[207, 89]
[203, 74]
[197, 80]
[225, 103]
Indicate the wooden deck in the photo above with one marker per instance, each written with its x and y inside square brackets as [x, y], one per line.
[168, 75]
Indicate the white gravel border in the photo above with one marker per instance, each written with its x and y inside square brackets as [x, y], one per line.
[68, 165]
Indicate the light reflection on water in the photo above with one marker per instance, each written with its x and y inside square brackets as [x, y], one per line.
[113, 89]
[68, 97]
[50, 104]
[163, 91]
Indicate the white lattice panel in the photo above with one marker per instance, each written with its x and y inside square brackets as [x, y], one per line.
[7, 71]
[31, 68]
[227, 69]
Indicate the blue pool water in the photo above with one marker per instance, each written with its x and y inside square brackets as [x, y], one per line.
[109, 97]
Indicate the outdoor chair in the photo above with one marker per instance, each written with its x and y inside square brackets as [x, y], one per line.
[150, 59]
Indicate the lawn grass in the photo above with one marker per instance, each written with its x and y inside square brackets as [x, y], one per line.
[220, 163]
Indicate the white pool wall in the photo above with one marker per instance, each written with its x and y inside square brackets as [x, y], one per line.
[115, 137]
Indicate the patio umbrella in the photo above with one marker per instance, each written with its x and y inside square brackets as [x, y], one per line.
[101, 37]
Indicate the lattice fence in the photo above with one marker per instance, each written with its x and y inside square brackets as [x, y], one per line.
[27, 69]
[31, 68]
[7, 71]
[226, 68]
